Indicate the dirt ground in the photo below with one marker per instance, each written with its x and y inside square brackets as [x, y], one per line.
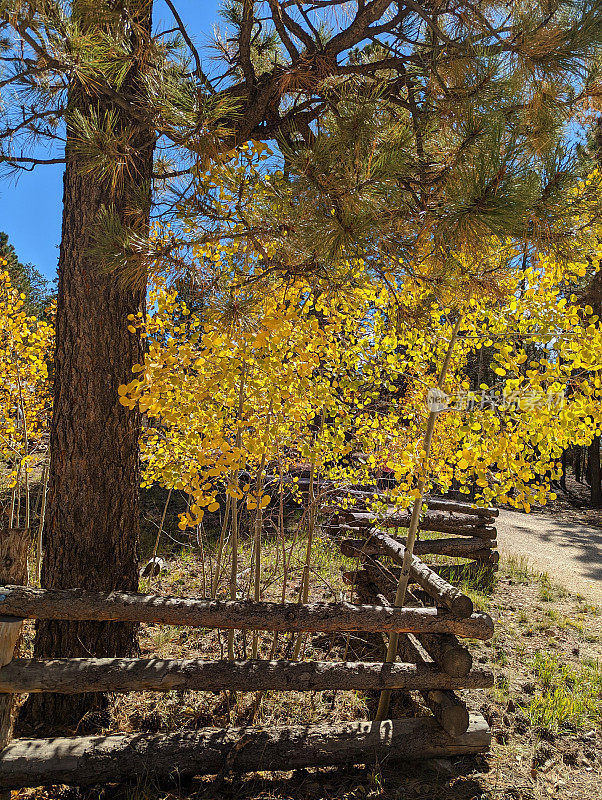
[569, 551]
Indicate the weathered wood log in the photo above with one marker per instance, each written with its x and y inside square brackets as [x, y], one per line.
[369, 547]
[486, 557]
[452, 720]
[90, 760]
[383, 580]
[386, 578]
[444, 649]
[450, 572]
[386, 583]
[77, 604]
[454, 547]
[353, 576]
[77, 675]
[14, 544]
[441, 504]
[447, 652]
[450, 711]
[487, 534]
[459, 525]
[441, 591]
[366, 592]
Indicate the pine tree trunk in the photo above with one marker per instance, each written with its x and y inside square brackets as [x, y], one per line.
[92, 518]
[594, 471]
[577, 464]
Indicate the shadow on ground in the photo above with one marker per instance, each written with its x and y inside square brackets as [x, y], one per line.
[437, 779]
[569, 551]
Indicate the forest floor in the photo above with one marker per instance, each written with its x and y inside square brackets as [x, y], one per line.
[545, 709]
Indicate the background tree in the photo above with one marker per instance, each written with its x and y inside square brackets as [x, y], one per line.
[592, 295]
[25, 278]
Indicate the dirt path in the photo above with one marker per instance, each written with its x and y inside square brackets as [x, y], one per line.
[571, 553]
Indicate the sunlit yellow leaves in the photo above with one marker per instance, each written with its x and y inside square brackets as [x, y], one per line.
[25, 403]
[363, 360]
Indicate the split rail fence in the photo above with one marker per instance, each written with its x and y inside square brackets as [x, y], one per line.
[463, 532]
[433, 663]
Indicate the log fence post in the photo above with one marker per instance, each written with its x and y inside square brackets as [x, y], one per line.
[14, 544]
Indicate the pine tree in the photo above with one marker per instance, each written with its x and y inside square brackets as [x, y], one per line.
[135, 119]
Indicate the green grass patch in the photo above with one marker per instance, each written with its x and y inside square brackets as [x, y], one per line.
[479, 586]
[569, 697]
[517, 568]
[549, 592]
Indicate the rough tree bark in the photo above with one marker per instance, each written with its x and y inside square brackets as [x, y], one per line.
[92, 519]
[593, 453]
[97, 760]
[65, 604]
[594, 298]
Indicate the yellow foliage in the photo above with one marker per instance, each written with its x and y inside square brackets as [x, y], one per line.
[25, 401]
[247, 382]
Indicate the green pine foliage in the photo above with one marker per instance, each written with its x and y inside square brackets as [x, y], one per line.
[397, 126]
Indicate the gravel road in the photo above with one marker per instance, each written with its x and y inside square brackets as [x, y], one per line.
[571, 553]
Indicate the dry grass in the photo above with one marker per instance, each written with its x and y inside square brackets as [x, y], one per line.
[152, 711]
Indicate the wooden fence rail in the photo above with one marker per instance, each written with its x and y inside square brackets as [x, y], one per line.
[439, 522]
[452, 546]
[76, 675]
[443, 648]
[89, 760]
[77, 604]
[467, 532]
[436, 586]
[433, 663]
[449, 709]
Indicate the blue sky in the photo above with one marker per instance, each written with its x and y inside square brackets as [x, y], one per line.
[30, 208]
